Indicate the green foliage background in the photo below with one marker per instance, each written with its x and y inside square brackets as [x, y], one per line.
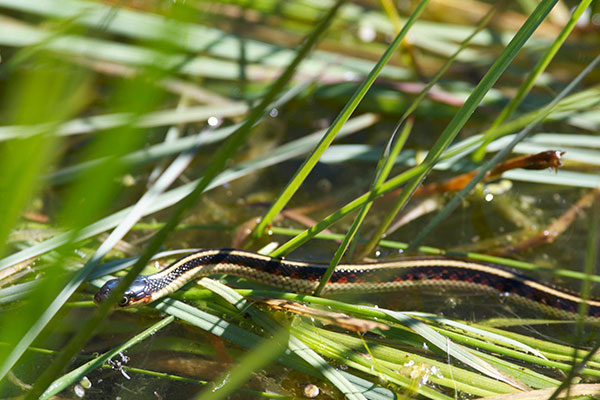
[135, 127]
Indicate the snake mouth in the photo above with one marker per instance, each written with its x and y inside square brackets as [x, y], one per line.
[140, 300]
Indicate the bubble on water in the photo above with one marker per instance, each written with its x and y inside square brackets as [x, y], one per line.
[213, 122]
[85, 382]
[311, 391]
[79, 391]
[367, 33]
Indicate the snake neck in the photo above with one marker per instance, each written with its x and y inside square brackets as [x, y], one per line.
[295, 276]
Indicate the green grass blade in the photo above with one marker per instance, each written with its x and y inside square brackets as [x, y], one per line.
[294, 344]
[456, 351]
[241, 337]
[23, 160]
[171, 197]
[479, 339]
[340, 120]
[387, 221]
[70, 378]
[138, 210]
[218, 163]
[253, 361]
[588, 97]
[534, 74]
[404, 369]
[27, 321]
[386, 162]
[478, 331]
[486, 83]
[452, 204]
[522, 265]
[110, 121]
[220, 45]
[591, 257]
[164, 149]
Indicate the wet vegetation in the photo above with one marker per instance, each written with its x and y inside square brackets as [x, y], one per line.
[136, 131]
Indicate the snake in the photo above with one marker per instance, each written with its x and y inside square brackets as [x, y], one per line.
[436, 273]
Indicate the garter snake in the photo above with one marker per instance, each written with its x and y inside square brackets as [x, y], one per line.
[435, 272]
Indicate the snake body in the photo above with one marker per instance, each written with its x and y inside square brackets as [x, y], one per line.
[435, 272]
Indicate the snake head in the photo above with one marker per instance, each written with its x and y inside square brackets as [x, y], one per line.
[136, 293]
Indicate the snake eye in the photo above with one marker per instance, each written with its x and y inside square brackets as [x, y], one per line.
[124, 301]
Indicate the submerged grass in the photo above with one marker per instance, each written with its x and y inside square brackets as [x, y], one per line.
[92, 91]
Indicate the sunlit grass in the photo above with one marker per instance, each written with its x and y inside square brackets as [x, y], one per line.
[91, 90]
